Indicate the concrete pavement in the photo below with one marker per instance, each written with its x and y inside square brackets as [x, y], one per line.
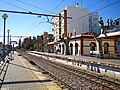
[21, 75]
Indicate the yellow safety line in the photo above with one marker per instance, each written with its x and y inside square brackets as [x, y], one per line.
[41, 86]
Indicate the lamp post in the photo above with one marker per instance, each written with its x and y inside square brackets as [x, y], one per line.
[8, 36]
[75, 40]
[48, 47]
[4, 16]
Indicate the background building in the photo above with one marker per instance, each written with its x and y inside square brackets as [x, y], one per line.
[93, 23]
[84, 24]
[117, 23]
[65, 25]
[81, 22]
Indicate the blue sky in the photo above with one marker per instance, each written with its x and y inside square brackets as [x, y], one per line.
[29, 25]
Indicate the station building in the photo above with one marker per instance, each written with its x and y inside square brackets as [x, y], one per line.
[81, 27]
[114, 32]
[85, 45]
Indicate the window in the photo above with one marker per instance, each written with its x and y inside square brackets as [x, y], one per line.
[92, 46]
[56, 32]
[95, 25]
[117, 22]
[95, 19]
[71, 49]
[70, 34]
[63, 49]
[76, 48]
[118, 43]
[60, 47]
[106, 48]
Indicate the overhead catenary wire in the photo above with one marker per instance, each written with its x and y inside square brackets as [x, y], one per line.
[57, 5]
[34, 6]
[41, 20]
[16, 36]
[51, 4]
[54, 9]
[31, 13]
[96, 11]
[18, 6]
[14, 5]
[49, 13]
[37, 8]
[92, 12]
[25, 4]
[93, 4]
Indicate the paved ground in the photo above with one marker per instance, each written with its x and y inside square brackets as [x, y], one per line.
[20, 70]
[17, 72]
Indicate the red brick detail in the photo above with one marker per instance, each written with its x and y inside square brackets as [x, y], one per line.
[81, 47]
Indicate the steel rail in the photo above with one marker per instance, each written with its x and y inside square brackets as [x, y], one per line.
[92, 78]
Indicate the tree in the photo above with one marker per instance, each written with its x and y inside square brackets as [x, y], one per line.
[35, 46]
[102, 26]
[26, 43]
[41, 43]
[99, 40]
[38, 44]
[66, 41]
[19, 43]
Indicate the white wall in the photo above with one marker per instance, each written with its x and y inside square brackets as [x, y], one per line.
[78, 22]
[73, 42]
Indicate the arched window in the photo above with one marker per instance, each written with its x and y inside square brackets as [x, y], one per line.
[63, 49]
[76, 48]
[106, 48]
[118, 47]
[92, 46]
[60, 47]
[71, 49]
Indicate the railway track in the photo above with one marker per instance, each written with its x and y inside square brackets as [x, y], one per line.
[73, 78]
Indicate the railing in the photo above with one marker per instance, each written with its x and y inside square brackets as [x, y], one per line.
[3, 69]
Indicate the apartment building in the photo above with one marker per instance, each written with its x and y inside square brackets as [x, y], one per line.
[79, 22]
[93, 23]
[82, 22]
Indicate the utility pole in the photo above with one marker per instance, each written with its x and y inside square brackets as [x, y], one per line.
[8, 35]
[75, 41]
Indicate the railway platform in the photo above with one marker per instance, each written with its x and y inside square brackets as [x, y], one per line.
[21, 75]
[111, 62]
